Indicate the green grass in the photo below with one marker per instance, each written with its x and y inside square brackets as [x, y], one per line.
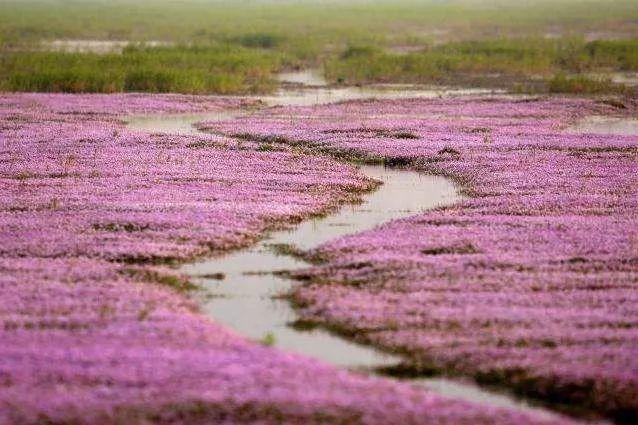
[269, 339]
[327, 20]
[500, 61]
[235, 46]
[580, 84]
[556, 65]
[617, 54]
[158, 69]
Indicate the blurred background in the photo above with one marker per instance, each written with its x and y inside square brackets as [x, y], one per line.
[253, 46]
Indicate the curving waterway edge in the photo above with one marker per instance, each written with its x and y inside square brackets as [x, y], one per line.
[241, 286]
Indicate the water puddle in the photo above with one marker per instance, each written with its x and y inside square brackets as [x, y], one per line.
[322, 95]
[606, 125]
[627, 78]
[178, 123]
[405, 49]
[96, 46]
[307, 77]
[241, 290]
[309, 87]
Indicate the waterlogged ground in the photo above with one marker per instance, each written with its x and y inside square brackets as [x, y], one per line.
[96, 326]
[529, 284]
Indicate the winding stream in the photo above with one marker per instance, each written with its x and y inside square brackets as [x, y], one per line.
[243, 299]
[241, 285]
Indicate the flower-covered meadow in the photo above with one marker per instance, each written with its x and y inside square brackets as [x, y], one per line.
[530, 283]
[95, 327]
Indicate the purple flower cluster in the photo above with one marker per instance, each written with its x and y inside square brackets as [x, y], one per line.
[532, 282]
[90, 213]
[118, 104]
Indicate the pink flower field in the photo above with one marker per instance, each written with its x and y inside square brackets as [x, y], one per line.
[533, 275]
[530, 283]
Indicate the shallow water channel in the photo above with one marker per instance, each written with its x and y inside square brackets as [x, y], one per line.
[605, 125]
[243, 298]
[241, 287]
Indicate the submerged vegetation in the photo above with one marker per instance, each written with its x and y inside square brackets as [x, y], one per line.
[234, 47]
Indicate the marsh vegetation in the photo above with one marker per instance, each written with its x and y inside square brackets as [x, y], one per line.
[511, 268]
[237, 47]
